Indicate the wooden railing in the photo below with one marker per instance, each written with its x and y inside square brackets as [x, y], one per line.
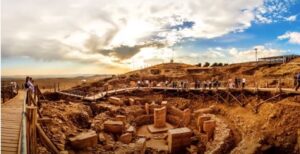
[31, 124]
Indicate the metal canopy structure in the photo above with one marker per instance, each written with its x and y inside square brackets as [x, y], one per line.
[279, 59]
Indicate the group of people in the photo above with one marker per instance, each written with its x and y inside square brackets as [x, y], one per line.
[297, 81]
[237, 83]
[214, 83]
[29, 84]
[180, 84]
[206, 84]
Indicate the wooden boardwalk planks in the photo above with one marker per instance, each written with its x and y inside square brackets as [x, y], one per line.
[102, 94]
[11, 117]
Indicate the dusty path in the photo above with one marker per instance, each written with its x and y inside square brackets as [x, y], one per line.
[11, 117]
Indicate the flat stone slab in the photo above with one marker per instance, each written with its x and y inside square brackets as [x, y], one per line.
[179, 139]
[153, 129]
[84, 140]
[113, 126]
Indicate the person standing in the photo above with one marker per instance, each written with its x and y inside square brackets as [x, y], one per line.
[236, 83]
[298, 81]
[295, 80]
[26, 85]
[243, 83]
[30, 84]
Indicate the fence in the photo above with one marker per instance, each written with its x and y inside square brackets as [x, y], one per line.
[32, 122]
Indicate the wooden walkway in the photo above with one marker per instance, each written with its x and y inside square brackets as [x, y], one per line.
[11, 117]
[99, 95]
[102, 94]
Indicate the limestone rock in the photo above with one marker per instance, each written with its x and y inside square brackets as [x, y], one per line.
[116, 101]
[160, 117]
[131, 101]
[141, 145]
[201, 120]
[186, 117]
[113, 126]
[209, 127]
[203, 111]
[101, 137]
[121, 118]
[179, 139]
[175, 111]
[84, 140]
[131, 129]
[126, 138]
[164, 103]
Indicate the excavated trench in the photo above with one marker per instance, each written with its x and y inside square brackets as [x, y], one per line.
[119, 123]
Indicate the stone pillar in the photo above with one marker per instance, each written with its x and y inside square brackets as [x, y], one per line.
[209, 128]
[179, 139]
[147, 108]
[164, 103]
[160, 117]
[186, 117]
[201, 120]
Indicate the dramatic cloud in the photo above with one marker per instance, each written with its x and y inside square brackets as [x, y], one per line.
[293, 37]
[115, 33]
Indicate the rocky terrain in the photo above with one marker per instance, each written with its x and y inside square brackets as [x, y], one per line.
[152, 121]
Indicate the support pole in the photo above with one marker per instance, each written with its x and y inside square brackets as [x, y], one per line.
[46, 141]
[31, 129]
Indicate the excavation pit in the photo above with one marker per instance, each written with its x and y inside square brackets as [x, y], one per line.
[214, 127]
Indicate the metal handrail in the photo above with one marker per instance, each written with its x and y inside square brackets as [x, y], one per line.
[23, 132]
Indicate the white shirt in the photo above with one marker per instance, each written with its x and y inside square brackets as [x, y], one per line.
[31, 86]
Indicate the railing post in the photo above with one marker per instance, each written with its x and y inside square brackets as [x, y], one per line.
[29, 92]
[279, 86]
[23, 148]
[31, 112]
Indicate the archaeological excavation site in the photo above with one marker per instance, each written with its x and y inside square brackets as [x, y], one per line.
[165, 109]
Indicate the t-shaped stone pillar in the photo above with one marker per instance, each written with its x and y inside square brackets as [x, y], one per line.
[160, 117]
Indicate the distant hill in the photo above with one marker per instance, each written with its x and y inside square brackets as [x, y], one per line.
[166, 69]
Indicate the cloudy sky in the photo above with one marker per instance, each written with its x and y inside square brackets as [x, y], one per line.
[42, 37]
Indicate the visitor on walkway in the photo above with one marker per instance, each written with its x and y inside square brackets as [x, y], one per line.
[204, 84]
[236, 82]
[181, 84]
[295, 80]
[298, 81]
[197, 84]
[217, 84]
[26, 85]
[230, 84]
[209, 84]
[243, 83]
[30, 84]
